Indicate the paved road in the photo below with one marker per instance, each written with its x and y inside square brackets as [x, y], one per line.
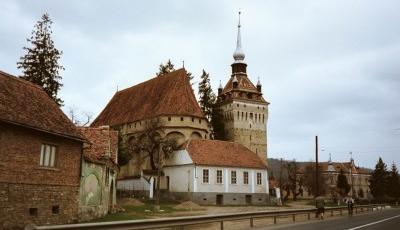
[387, 219]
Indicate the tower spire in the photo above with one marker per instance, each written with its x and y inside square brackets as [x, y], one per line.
[238, 55]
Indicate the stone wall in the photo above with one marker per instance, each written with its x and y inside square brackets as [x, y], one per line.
[22, 204]
[210, 198]
[246, 123]
[180, 127]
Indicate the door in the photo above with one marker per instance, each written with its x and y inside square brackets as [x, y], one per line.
[220, 199]
[248, 199]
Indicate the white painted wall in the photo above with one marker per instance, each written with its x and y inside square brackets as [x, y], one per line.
[133, 184]
[227, 186]
[180, 178]
[180, 157]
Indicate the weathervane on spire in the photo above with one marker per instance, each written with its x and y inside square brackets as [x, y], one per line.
[239, 18]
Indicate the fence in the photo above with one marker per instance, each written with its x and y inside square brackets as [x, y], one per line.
[180, 222]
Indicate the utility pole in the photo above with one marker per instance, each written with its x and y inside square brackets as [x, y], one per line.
[351, 173]
[316, 167]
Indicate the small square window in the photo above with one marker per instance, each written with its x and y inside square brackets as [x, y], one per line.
[169, 118]
[55, 209]
[192, 119]
[33, 211]
[181, 118]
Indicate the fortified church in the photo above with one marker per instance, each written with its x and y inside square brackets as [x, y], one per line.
[204, 170]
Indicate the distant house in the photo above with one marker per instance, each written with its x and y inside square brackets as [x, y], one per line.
[99, 171]
[357, 178]
[40, 157]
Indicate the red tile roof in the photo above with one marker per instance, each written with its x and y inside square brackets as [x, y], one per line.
[26, 104]
[169, 94]
[245, 86]
[102, 146]
[223, 153]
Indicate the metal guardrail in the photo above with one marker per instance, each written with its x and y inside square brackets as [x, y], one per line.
[180, 222]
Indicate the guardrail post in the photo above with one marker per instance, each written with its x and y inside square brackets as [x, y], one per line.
[308, 216]
[331, 212]
[251, 222]
[294, 217]
[222, 225]
[274, 219]
[341, 212]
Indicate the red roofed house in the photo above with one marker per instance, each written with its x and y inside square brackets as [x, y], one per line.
[40, 157]
[99, 172]
[217, 172]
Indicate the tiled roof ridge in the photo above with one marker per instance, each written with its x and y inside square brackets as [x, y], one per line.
[153, 78]
[160, 101]
[20, 79]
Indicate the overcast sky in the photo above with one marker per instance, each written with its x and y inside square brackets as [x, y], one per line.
[328, 68]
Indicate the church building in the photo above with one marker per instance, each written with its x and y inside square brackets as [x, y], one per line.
[204, 170]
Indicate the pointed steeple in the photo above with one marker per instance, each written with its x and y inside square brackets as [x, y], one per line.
[238, 55]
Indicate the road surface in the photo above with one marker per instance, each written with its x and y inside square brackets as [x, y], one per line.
[386, 219]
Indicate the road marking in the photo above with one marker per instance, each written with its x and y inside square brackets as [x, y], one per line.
[362, 226]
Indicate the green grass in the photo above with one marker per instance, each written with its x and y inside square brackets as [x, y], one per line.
[140, 212]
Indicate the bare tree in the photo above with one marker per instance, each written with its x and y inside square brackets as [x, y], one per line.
[294, 183]
[150, 144]
[310, 181]
[79, 118]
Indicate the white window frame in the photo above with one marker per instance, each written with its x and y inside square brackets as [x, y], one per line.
[208, 176]
[48, 156]
[259, 179]
[235, 177]
[245, 177]
[219, 177]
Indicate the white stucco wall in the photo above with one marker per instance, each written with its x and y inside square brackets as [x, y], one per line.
[189, 178]
[133, 184]
[227, 186]
[180, 178]
[180, 157]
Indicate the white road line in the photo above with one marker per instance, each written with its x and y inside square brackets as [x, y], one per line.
[362, 226]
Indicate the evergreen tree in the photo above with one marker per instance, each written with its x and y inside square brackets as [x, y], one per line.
[206, 95]
[166, 68]
[217, 122]
[169, 67]
[342, 184]
[393, 186]
[378, 180]
[40, 63]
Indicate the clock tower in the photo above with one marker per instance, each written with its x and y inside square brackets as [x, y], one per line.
[244, 109]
